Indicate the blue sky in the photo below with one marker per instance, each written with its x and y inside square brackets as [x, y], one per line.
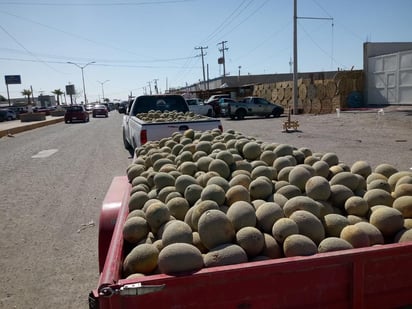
[135, 42]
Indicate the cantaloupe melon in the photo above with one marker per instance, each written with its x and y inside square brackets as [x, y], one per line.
[226, 254]
[142, 259]
[177, 232]
[241, 214]
[135, 229]
[299, 245]
[331, 244]
[180, 258]
[283, 228]
[215, 229]
[251, 240]
[309, 225]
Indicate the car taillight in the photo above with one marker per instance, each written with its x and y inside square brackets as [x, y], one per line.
[143, 137]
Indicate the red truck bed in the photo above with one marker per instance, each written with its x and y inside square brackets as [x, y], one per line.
[374, 277]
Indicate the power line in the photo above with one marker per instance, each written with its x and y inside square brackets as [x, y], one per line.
[28, 51]
[22, 3]
[245, 19]
[227, 20]
[99, 64]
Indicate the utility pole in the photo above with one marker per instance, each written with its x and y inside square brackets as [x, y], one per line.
[223, 55]
[102, 83]
[150, 87]
[203, 62]
[81, 67]
[295, 52]
[208, 78]
[295, 59]
[155, 85]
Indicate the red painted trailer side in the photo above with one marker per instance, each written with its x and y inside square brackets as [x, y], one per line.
[373, 277]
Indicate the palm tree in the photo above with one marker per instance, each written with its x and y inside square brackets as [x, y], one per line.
[58, 93]
[27, 92]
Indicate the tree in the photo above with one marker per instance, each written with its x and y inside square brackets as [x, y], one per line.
[58, 93]
[27, 92]
[2, 98]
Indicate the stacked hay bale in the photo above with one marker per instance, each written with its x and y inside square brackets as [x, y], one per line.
[315, 96]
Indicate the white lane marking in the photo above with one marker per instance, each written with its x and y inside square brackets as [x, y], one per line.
[45, 153]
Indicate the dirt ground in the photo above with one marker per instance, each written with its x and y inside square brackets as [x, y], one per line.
[374, 135]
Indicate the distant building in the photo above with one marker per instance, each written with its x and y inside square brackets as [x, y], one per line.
[40, 101]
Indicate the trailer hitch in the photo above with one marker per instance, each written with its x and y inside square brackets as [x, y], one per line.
[134, 289]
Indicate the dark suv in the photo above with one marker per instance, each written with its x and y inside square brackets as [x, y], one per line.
[76, 113]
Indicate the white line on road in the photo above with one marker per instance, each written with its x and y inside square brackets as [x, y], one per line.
[45, 153]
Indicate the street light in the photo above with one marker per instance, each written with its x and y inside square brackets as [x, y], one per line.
[81, 68]
[101, 83]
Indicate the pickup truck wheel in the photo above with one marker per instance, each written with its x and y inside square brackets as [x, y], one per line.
[240, 114]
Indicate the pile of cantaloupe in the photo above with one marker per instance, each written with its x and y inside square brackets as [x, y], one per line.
[168, 116]
[203, 199]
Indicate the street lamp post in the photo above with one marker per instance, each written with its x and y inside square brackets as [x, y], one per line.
[102, 83]
[81, 68]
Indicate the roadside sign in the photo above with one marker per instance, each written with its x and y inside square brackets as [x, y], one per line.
[70, 90]
[12, 79]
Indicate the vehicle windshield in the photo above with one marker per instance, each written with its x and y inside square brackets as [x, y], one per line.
[145, 104]
[75, 109]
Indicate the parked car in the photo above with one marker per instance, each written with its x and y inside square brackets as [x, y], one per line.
[3, 115]
[18, 110]
[217, 97]
[110, 106]
[223, 104]
[10, 114]
[76, 113]
[100, 110]
[254, 106]
[197, 106]
[43, 109]
[89, 106]
[220, 106]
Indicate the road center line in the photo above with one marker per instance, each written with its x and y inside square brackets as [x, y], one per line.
[45, 153]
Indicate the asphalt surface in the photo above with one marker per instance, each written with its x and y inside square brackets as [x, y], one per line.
[54, 179]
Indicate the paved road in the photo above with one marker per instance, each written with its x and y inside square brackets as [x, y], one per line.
[54, 179]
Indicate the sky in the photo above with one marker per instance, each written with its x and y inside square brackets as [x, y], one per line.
[135, 44]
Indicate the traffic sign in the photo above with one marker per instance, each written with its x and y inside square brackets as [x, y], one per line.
[12, 79]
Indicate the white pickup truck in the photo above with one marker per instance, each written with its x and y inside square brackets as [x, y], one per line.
[153, 117]
[197, 106]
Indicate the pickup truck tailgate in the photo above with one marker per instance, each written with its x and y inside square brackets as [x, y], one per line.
[160, 129]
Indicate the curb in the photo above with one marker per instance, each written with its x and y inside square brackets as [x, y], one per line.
[31, 126]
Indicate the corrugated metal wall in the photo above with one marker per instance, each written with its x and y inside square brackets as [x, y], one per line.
[390, 79]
